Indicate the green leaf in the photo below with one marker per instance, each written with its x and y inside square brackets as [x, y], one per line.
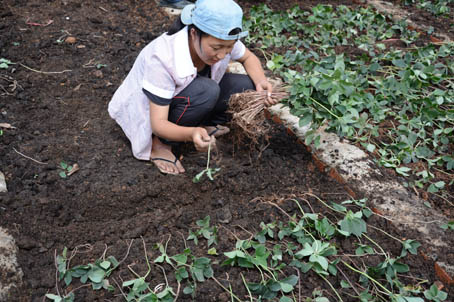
[105, 264]
[234, 254]
[62, 174]
[345, 284]
[68, 279]
[96, 274]
[212, 251]
[198, 274]
[128, 283]
[286, 288]
[198, 177]
[320, 260]
[305, 120]
[97, 286]
[181, 273]
[306, 251]
[403, 171]
[399, 63]
[188, 290]
[440, 184]
[285, 299]
[370, 148]
[449, 225]
[353, 225]
[270, 65]
[292, 280]
[180, 259]
[114, 261]
[160, 259]
[54, 297]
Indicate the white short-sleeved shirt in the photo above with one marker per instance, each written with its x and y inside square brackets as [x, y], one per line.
[164, 68]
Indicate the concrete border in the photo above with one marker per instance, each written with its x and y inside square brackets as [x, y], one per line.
[10, 272]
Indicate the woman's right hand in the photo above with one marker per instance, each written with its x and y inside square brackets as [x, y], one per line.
[202, 140]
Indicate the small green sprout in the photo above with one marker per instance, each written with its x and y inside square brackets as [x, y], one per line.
[4, 63]
[66, 169]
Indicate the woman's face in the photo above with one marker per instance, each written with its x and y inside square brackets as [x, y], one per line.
[210, 49]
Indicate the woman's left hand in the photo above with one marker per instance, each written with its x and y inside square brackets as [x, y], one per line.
[264, 85]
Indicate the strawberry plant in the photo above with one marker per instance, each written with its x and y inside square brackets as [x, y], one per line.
[209, 172]
[396, 104]
[94, 274]
[209, 233]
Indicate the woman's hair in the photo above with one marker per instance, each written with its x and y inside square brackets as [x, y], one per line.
[177, 25]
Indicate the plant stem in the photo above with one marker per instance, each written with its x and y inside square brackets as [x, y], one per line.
[332, 287]
[229, 291]
[324, 107]
[324, 203]
[247, 288]
[368, 277]
[389, 235]
[299, 206]
[445, 199]
[208, 160]
[371, 240]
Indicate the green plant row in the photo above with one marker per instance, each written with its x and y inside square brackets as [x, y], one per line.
[280, 253]
[436, 7]
[398, 104]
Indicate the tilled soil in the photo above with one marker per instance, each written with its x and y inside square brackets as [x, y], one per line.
[56, 96]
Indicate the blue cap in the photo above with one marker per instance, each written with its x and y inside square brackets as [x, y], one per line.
[215, 17]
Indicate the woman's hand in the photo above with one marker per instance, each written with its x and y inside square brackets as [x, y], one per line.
[202, 140]
[264, 85]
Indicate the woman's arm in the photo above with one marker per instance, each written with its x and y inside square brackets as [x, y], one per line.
[162, 127]
[254, 69]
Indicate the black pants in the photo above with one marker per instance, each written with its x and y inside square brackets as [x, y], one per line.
[205, 102]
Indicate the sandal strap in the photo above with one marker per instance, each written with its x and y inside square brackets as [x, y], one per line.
[166, 160]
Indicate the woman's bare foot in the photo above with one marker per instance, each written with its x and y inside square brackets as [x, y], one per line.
[164, 159]
[217, 130]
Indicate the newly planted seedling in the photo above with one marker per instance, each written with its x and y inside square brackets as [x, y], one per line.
[353, 224]
[209, 172]
[318, 253]
[94, 274]
[5, 63]
[139, 288]
[66, 169]
[308, 243]
[208, 232]
[434, 294]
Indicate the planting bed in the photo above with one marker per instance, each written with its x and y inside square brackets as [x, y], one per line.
[56, 96]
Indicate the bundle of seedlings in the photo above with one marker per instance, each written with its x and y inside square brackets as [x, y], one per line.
[248, 115]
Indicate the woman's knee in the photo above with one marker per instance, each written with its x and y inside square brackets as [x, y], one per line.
[209, 91]
[202, 92]
[233, 83]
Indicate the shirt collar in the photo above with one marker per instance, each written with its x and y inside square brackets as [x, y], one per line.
[183, 61]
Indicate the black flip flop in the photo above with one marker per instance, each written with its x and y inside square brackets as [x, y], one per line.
[174, 162]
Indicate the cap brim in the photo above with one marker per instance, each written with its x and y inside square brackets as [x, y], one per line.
[186, 14]
[230, 37]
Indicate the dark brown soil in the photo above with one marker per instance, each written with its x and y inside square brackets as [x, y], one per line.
[59, 110]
